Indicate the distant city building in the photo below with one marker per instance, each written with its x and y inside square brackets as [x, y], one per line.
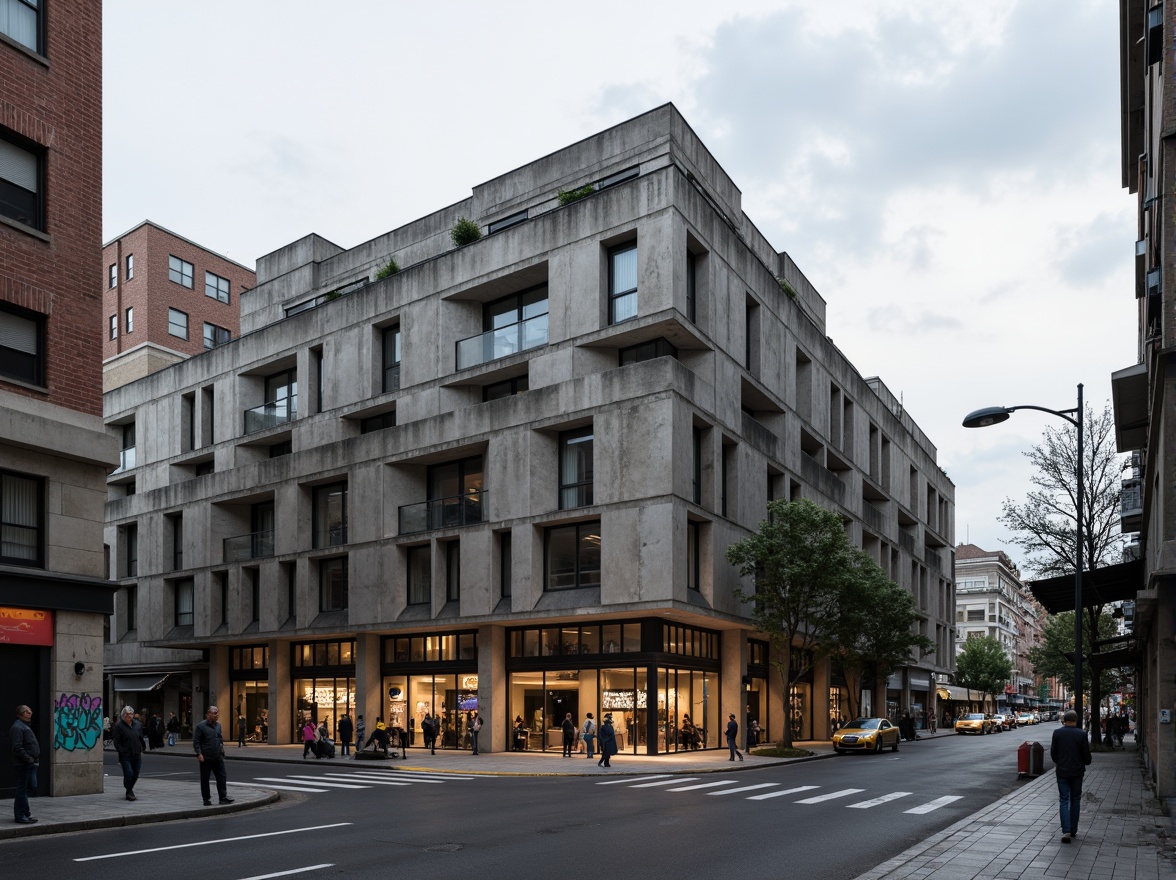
[992, 600]
[55, 452]
[1144, 393]
[164, 298]
[503, 478]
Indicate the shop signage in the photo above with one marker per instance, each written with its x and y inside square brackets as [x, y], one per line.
[26, 626]
[327, 696]
[469, 682]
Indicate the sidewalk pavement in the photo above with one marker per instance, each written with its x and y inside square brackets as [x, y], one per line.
[1123, 834]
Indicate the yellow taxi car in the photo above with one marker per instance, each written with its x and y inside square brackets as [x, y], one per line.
[1026, 718]
[974, 722]
[866, 735]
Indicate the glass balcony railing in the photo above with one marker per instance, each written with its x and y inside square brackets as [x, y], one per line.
[255, 545]
[443, 513]
[502, 342]
[332, 536]
[272, 414]
[126, 459]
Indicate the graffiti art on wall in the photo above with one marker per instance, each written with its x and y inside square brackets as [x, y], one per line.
[77, 722]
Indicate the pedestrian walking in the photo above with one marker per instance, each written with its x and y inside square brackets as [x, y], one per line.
[753, 734]
[240, 731]
[128, 742]
[569, 735]
[173, 728]
[429, 733]
[308, 735]
[26, 755]
[733, 737]
[360, 729]
[208, 742]
[346, 729]
[1070, 751]
[475, 729]
[588, 734]
[608, 741]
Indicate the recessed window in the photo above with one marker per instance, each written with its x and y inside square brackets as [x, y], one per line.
[572, 555]
[647, 351]
[504, 564]
[22, 344]
[132, 608]
[131, 544]
[130, 266]
[575, 468]
[420, 575]
[330, 515]
[177, 323]
[20, 20]
[391, 342]
[622, 283]
[506, 388]
[21, 519]
[693, 554]
[333, 584]
[180, 271]
[112, 279]
[129, 323]
[618, 177]
[22, 176]
[216, 287]
[184, 601]
[378, 423]
[176, 522]
[691, 288]
[214, 335]
[453, 572]
[510, 325]
[114, 326]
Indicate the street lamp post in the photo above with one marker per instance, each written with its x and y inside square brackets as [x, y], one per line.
[992, 415]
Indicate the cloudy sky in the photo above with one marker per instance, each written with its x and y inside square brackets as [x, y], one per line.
[947, 175]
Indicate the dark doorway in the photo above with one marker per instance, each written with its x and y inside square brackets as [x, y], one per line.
[25, 682]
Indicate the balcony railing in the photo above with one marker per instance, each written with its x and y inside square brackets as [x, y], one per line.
[255, 545]
[443, 513]
[126, 460]
[334, 536]
[272, 414]
[502, 342]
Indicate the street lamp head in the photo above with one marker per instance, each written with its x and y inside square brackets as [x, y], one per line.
[990, 415]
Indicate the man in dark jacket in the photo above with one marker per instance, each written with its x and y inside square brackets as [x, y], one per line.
[26, 751]
[1070, 751]
[127, 737]
[346, 729]
[569, 735]
[209, 744]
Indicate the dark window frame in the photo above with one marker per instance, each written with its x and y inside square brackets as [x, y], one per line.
[615, 296]
[130, 270]
[418, 593]
[582, 533]
[112, 276]
[577, 492]
[181, 588]
[8, 482]
[30, 210]
[170, 323]
[181, 272]
[212, 282]
[334, 596]
[506, 388]
[391, 380]
[651, 349]
[18, 364]
[214, 339]
[129, 321]
[329, 535]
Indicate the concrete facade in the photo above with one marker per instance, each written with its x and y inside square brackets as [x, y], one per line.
[736, 397]
[55, 452]
[139, 290]
[1144, 393]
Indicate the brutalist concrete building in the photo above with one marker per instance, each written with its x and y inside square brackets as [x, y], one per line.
[502, 478]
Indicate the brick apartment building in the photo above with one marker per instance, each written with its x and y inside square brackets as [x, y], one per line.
[164, 299]
[54, 451]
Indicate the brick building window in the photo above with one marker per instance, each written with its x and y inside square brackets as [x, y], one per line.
[216, 287]
[129, 323]
[21, 21]
[130, 273]
[22, 344]
[22, 174]
[112, 277]
[114, 326]
[177, 323]
[180, 271]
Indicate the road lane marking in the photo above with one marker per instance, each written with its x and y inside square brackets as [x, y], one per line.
[775, 794]
[292, 871]
[934, 805]
[745, 788]
[310, 780]
[845, 792]
[637, 779]
[664, 782]
[702, 785]
[301, 788]
[886, 798]
[155, 849]
[366, 780]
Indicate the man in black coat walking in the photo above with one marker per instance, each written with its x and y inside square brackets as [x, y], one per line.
[127, 736]
[208, 741]
[1070, 751]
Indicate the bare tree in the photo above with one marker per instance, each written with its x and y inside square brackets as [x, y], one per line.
[1045, 526]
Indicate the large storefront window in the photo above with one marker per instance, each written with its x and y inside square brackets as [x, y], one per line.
[435, 676]
[249, 674]
[324, 684]
[687, 710]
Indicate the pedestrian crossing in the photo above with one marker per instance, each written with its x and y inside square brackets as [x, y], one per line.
[771, 790]
[321, 783]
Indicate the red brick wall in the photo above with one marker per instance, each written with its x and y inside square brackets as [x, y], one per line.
[59, 106]
[151, 293]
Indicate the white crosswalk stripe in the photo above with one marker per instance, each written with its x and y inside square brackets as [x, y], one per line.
[663, 782]
[845, 792]
[745, 788]
[637, 779]
[884, 799]
[776, 794]
[934, 805]
[702, 785]
[300, 788]
[345, 780]
[308, 780]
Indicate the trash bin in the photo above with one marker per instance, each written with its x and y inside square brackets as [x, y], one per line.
[1030, 759]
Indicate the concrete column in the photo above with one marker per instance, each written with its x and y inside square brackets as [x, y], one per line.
[492, 699]
[734, 666]
[821, 726]
[281, 699]
[370, 698]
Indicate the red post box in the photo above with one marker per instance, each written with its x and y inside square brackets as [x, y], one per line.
[1030, 759]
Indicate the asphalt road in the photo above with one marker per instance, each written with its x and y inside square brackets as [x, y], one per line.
[823, 820]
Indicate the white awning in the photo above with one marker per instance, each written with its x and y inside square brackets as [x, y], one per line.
[148, 681]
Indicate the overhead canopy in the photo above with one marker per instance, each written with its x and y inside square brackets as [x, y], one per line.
[148, 681]
[1114, 583]
[1129, 392]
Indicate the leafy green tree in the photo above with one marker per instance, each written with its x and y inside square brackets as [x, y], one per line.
[983, 666]
[798, 560]
[1053, 655]
[875, 630]
[1045, 525]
